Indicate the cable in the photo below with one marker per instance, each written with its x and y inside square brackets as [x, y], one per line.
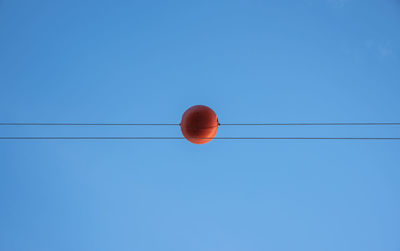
[313, 124]
[173, 138]
[167, 124]
[82, 124]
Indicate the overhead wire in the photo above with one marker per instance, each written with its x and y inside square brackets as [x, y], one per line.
[314, 124]
[221, 124]
[175, 138]
[217, 138]
[83, 124]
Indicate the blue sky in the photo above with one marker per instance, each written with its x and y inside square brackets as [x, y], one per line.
[251, 61]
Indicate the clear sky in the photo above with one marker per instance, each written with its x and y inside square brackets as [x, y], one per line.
[252, 61]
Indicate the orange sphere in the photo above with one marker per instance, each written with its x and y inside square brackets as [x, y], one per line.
[199, 124]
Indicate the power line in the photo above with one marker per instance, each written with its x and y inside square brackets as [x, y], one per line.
[88, 124]
[227, 124]
[315, 124]
[178, 138]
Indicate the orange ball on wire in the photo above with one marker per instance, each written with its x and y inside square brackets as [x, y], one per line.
[199, 124]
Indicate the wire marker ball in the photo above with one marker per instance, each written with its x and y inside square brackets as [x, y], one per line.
[199, 124]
